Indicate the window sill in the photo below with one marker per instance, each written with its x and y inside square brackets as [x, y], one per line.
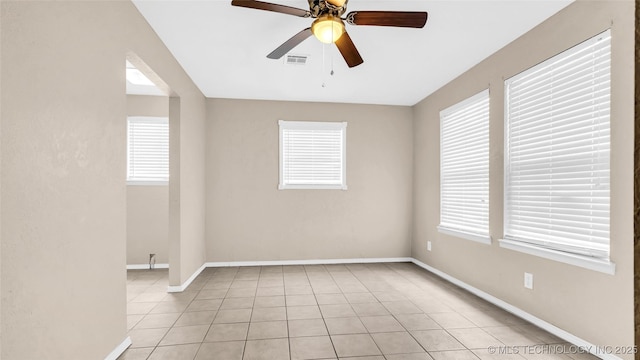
[147, 183]
[312, 187]
[586, 262]
[465, 235]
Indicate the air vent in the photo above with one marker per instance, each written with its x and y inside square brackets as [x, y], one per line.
[296, 59]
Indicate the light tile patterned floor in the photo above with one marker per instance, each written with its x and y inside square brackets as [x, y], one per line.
[355, 311]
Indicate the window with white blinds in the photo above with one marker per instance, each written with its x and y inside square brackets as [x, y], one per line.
[312, 155]
[557, 153]
[464, 169]
[147, 150]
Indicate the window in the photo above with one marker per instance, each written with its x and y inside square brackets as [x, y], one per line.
[148, 150]
[557, 156]
[464, 169]
[312, 155]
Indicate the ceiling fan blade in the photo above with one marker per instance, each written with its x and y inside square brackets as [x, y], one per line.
[412, 19]
[260, 5]
[290, 44]
[348, 50]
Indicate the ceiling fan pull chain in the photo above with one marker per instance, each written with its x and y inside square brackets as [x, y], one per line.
[324, 46]
[334, 40]
[331, 55]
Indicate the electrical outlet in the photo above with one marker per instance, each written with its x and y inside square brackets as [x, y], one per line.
[152, 261]
[428, 245]
[528, 280]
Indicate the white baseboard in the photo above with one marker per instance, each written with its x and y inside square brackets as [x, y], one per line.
[183, 287]
[585, 345]
[146, 266]
[308, 262]
[119, 349]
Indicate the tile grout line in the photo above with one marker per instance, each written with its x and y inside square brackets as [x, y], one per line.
[443, 328]
[406, 281]
[447, 330]
[323, 318]
[286, 311]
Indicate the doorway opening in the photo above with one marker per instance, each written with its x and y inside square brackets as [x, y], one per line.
[148, 179]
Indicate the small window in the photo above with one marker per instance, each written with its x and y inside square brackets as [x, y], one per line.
[464, 169]
[557, 155]
[312, 155]
[147, 150]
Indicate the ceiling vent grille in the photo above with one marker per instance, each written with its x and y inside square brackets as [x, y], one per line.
[296, 59]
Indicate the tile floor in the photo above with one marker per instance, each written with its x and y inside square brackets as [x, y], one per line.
[355, 311]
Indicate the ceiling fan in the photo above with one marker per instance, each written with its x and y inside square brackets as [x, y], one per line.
[329, 25]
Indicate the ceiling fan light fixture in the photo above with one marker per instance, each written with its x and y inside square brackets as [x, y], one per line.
[328, 28]
[338, 3]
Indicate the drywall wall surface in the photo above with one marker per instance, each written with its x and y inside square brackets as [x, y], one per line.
[63, 195]
[192, 185]
[594, 306]
[249, 219]
[0, 184]
[147, 205]
[63, 173]
[145, 105]
[186, 187]
[147, 224]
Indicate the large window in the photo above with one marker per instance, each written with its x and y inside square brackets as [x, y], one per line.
[464, 169]
[312, 155]
[557, 156]
[147, 150]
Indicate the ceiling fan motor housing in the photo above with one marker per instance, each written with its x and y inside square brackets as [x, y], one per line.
[324, 7]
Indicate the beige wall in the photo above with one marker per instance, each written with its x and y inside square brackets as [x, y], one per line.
[147, 224]
[63, 224]
[147, 206]
[1, 182]
[186, 186]
[143, 105]
[592, 305]
[249, 219]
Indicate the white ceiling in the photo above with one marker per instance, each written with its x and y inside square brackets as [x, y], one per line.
[223, 48]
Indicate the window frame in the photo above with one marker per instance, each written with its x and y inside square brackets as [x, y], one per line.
[541, 248]
[455, 111]
[146, 181]
[312, 125]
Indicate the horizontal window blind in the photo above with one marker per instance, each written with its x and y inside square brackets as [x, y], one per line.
[464, 166]
[312, 154]
[148, 149]
[557, 151]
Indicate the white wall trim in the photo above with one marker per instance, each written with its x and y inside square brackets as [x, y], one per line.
[482, 239]
[148, 182]
[308, 262]
[119, 349]
[146, 266]
[183, 287]
[587, 346]
[604, 266]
